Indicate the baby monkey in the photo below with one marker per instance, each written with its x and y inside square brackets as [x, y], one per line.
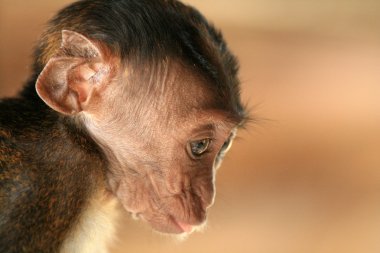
[130, 101]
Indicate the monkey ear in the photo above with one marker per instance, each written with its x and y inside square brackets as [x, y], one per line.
[69, 79]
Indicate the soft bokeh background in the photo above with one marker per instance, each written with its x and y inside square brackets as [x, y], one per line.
[304, 178]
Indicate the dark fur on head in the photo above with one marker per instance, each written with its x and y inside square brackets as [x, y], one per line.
[143, 33]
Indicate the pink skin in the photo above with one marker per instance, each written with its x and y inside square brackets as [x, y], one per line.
[185, 227]
[145, 134]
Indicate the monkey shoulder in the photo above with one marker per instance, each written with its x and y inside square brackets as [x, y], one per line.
[46, 177]
[16, 142]
[15, 181]
[16, 189]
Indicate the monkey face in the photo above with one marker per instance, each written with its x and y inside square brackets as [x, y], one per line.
[164, 147]
[162, 128]
[166, 156]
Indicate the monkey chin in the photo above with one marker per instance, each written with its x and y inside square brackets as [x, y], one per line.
[184, 235]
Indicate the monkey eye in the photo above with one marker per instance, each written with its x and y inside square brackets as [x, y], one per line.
[199, 147]
[226, 145]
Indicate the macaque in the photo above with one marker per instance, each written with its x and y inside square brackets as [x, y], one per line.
[131, 102]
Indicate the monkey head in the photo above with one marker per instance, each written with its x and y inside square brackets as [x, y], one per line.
[164, 116]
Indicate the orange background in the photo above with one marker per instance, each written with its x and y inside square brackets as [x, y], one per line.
[305, 177]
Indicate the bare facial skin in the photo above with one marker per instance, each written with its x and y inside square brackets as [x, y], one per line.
[163, 143]
[152, 172]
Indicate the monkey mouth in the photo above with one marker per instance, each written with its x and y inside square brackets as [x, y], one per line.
[185, 227]
[170, 226]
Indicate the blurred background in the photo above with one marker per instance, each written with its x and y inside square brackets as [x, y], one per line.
[305, 176]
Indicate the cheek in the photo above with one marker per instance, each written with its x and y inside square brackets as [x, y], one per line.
[204, 187]
[133, 194]
[140, 193]
[176, 181]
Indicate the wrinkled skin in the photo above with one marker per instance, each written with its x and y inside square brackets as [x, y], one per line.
[152, 172]
[144, 120]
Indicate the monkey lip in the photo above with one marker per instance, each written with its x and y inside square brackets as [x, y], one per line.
[171, 227]
[185, 227]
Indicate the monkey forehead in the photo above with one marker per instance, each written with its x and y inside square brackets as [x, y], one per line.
[170, 90]
[168, 93]
[169, 83]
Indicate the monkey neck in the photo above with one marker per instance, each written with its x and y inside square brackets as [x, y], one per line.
[96, 227]
[103, 140]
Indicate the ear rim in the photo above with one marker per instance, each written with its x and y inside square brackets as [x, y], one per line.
[68, 92]
[67, 40]
[46, 97]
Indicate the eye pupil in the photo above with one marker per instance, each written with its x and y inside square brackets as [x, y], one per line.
[226, 144]
[199, 147]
